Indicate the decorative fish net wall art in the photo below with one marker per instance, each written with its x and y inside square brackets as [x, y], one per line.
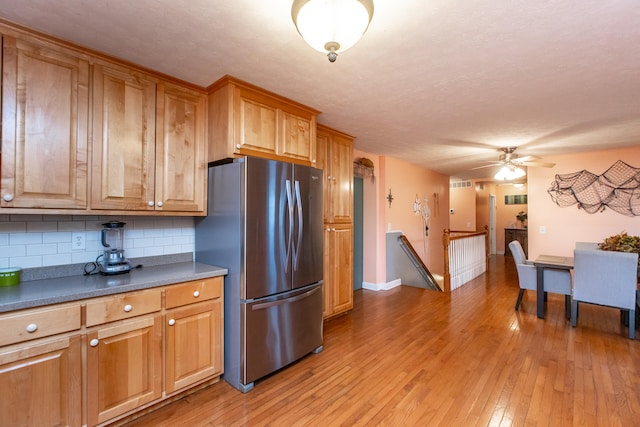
[618, 189]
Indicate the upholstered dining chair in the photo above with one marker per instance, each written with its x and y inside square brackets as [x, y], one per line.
[555, 281]
[605, 278]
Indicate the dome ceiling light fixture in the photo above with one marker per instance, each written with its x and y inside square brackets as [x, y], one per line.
[332, 26]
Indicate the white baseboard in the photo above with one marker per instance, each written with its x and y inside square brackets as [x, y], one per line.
[381, 286]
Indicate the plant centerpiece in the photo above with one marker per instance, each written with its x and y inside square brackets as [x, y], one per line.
[622, 242]
[522, 217]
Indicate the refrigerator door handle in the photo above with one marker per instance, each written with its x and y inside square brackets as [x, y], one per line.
[264, 305]
[296, 248]
[289, 237]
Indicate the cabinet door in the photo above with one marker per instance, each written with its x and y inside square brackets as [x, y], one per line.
[193, 344]
[323, 142]
[124, 110]
[342, 179]
[298, 138]
[42, 384]
[338, 282]
[124, 367]
[45, 100]
[180, 150]
[255, 124]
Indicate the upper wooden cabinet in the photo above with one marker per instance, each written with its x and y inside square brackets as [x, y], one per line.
[45, 99]
[247, 120]
[147, 132]
[335, 157]
[148, 143]
[181, 168]
[124, 144]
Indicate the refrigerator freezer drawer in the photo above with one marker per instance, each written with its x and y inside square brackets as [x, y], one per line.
[280, 330]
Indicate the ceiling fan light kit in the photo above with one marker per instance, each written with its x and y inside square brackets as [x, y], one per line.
[332, 26]
[509, 173]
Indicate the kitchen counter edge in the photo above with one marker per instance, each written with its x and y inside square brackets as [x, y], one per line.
[38, 293]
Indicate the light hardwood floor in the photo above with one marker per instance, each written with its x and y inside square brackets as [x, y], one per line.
[410, 356]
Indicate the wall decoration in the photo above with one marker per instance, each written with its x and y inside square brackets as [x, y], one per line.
[517, 199]
[390, 197]
[363, 168]
[618, 189]
[426, 216]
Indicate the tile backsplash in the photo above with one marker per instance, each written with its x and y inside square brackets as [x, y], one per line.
[30, 241]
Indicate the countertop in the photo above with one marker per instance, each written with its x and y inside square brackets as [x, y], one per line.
[36, 293]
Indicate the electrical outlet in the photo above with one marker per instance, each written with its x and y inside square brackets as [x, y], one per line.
[77, 241]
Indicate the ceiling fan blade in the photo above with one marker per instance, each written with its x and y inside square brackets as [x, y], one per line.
[538, 164]
[526, 159]
[487, 166]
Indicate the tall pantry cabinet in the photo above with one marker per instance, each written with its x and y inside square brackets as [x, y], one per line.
[335, 157]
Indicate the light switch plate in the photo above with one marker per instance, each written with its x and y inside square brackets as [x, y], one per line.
[543, 229]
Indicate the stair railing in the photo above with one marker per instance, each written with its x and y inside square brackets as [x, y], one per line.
[466, 256]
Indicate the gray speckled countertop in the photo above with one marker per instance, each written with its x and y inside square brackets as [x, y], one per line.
[37, 293]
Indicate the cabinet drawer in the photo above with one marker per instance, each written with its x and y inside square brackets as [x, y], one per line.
[123, 306]
[195, 291]
[35, 323]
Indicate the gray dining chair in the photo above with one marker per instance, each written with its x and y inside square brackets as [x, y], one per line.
[605, 278]
[555, 281]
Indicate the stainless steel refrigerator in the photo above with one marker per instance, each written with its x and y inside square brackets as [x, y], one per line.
[265, 225]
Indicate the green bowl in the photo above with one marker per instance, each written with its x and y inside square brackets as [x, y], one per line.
[10, 276]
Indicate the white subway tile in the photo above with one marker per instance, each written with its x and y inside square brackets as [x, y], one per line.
[45, 249]
[71, 226]
[153, 251]
[42, 226]
[4, 239]
[26, 261]
[152, 232]
[4, 262]
[143, 243]
[171, 249]
[13, 250]
[25, 238]
[58, 259]
[13, 227]
[61, 236]
[134, 253]
[163, 241]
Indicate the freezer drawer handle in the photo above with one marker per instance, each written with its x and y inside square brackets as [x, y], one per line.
[266, 305]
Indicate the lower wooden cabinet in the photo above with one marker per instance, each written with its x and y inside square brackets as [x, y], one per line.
[338, 269]
[124, 367]
[41, 383]
[119, 348]
[193, 344]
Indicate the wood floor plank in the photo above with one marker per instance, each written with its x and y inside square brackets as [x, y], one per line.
[410, 356]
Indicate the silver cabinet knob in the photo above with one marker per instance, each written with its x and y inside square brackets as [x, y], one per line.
[150, 203]
[159, 204]
[128, 308]
[7, 197]
[32, 327]
[238, 146]
[94, 342]
[172, 322]
[196, 294]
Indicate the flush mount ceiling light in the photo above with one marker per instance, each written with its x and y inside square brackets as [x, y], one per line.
[332, 26]
[509, 172]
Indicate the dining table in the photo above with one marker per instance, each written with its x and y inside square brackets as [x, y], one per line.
[542, 263]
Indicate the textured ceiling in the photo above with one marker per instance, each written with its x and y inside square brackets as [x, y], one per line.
[438, 83]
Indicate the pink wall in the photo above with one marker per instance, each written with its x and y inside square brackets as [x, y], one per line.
[565, 226]
[405, 181]
[463, 202]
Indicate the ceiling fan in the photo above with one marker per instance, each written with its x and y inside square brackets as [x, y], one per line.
[511, 164]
